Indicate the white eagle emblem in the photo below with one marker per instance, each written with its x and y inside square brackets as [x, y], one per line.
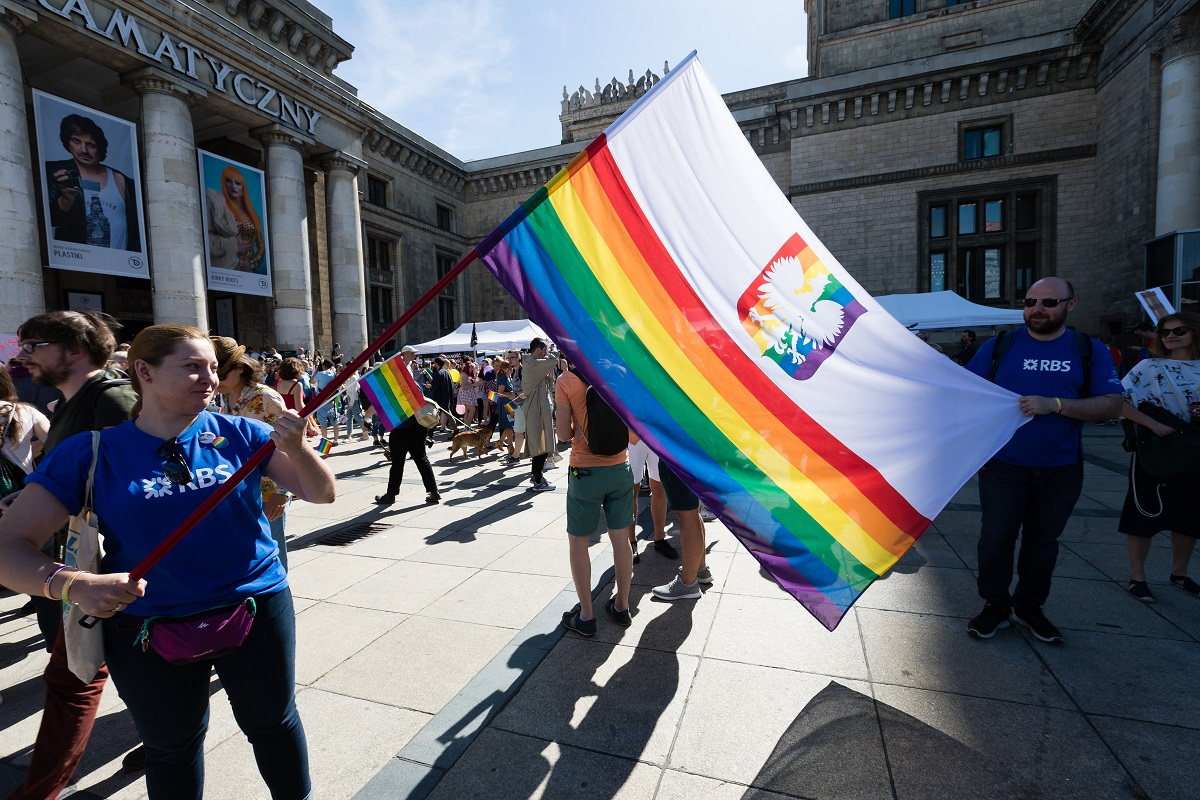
[799, 309]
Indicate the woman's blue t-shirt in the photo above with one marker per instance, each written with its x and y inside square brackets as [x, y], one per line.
[230, 554]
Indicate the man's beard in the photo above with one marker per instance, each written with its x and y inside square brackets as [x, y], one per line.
[53, 376]
[1048, 325]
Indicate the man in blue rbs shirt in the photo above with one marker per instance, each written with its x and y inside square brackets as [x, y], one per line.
[1030, 487]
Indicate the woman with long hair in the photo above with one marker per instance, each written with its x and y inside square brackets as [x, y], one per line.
[241, 385]
[469, 390]
[22, 428]
[235, 233]
[150, 474]
[1170, 381]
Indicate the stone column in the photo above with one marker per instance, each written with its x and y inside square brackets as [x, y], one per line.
[171, 201]
[21, 292]
[346, 276]
[287, 212]
[1178, 202]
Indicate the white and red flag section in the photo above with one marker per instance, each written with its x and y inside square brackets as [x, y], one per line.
[668, 266]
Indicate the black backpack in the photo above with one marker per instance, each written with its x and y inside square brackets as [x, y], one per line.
[606, 434]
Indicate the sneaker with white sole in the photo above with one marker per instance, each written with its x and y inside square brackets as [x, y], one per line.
[543, 486]
[1041, 628]
[706, 514]
[677, 590]
[704, 575]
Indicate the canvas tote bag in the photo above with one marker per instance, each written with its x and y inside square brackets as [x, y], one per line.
[85, 646]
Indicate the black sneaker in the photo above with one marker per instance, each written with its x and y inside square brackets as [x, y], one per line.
[385, 499]
[584, 627]
[1141, 591]
[134, 760]
[622, 618]
[664, 548]
[988, 621]
[1038, 625]
[433, 498]
[637, 557]
[1186, 584]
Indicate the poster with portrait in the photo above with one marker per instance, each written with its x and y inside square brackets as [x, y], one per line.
[235, 226]
[91, 189]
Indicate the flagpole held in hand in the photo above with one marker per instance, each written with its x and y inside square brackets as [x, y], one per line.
[223, 490]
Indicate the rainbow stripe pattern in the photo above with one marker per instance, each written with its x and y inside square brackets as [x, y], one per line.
[666, 264]
[324, 447]
[392, 391]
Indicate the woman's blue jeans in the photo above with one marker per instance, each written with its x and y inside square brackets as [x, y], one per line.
[169, 704]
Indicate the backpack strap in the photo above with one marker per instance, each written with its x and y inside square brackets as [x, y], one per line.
[1004, 343]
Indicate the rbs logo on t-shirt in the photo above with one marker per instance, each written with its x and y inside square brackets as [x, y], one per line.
[1046, 365]
[204, 477]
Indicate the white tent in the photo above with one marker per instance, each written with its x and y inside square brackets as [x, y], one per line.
[930, 311]
[504, 334]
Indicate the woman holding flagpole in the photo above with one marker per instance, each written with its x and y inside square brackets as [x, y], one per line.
[151, 473]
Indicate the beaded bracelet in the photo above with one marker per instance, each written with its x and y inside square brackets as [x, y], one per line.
[50, 579]
[67, 586]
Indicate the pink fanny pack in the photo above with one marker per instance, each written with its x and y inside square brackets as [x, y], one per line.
[203, 635]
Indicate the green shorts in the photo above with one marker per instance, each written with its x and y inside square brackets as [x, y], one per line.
[610, 488]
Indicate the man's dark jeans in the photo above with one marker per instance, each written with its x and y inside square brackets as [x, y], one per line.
[1034, 503]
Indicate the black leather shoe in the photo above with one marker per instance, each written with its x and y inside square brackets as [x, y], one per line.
[385, 499]
[432, 498]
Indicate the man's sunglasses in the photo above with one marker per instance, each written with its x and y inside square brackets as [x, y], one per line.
[174, 468]
[1047, 302]
[29, 348]
[1182, 330]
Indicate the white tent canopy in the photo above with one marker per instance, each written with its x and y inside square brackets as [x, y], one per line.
[504, 334]
[929, 311]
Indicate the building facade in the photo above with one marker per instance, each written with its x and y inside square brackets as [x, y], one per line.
[973, 146]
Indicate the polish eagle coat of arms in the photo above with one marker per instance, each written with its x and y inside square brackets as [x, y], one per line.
[797, 311]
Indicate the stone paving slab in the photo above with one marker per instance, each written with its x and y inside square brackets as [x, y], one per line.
[431, 662]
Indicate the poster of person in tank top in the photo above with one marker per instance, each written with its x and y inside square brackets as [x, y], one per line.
[91, 189]
[234, 205]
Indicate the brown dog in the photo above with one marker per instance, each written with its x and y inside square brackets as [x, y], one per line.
[478, 439]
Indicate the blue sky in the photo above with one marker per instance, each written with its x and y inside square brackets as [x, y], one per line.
[483, 78]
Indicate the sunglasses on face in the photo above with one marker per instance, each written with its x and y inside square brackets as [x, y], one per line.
[1182, 330]
[1047, 302]
[29, 348]
[174, 468]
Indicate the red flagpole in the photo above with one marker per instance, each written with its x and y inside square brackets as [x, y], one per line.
[244, 471]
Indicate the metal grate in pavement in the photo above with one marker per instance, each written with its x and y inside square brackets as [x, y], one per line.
[352, 534]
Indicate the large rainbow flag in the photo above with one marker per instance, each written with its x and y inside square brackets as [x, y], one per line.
[392, 391]
[668, 266]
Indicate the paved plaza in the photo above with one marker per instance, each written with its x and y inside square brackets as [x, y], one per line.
[431, 664]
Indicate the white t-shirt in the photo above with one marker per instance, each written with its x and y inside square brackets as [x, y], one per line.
[26, 418]
[1165, 382]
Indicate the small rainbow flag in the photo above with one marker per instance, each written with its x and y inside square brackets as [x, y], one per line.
[495, 397]
[324, 446]
[667, 264]
[392, 392]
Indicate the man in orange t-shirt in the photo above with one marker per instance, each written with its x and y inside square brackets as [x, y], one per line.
[594, 482]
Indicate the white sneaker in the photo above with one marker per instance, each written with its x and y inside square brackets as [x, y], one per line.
[677, 590]
[543, 486]
[705, 514]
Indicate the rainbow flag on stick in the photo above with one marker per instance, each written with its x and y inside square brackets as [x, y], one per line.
[392, 392]
[495, 397]
[324, 447]
[668, 266]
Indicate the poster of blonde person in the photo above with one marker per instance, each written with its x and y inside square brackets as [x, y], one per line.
[235, 225]
[91, 189]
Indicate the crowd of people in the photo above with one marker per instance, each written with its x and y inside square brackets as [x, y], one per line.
[178, 412]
